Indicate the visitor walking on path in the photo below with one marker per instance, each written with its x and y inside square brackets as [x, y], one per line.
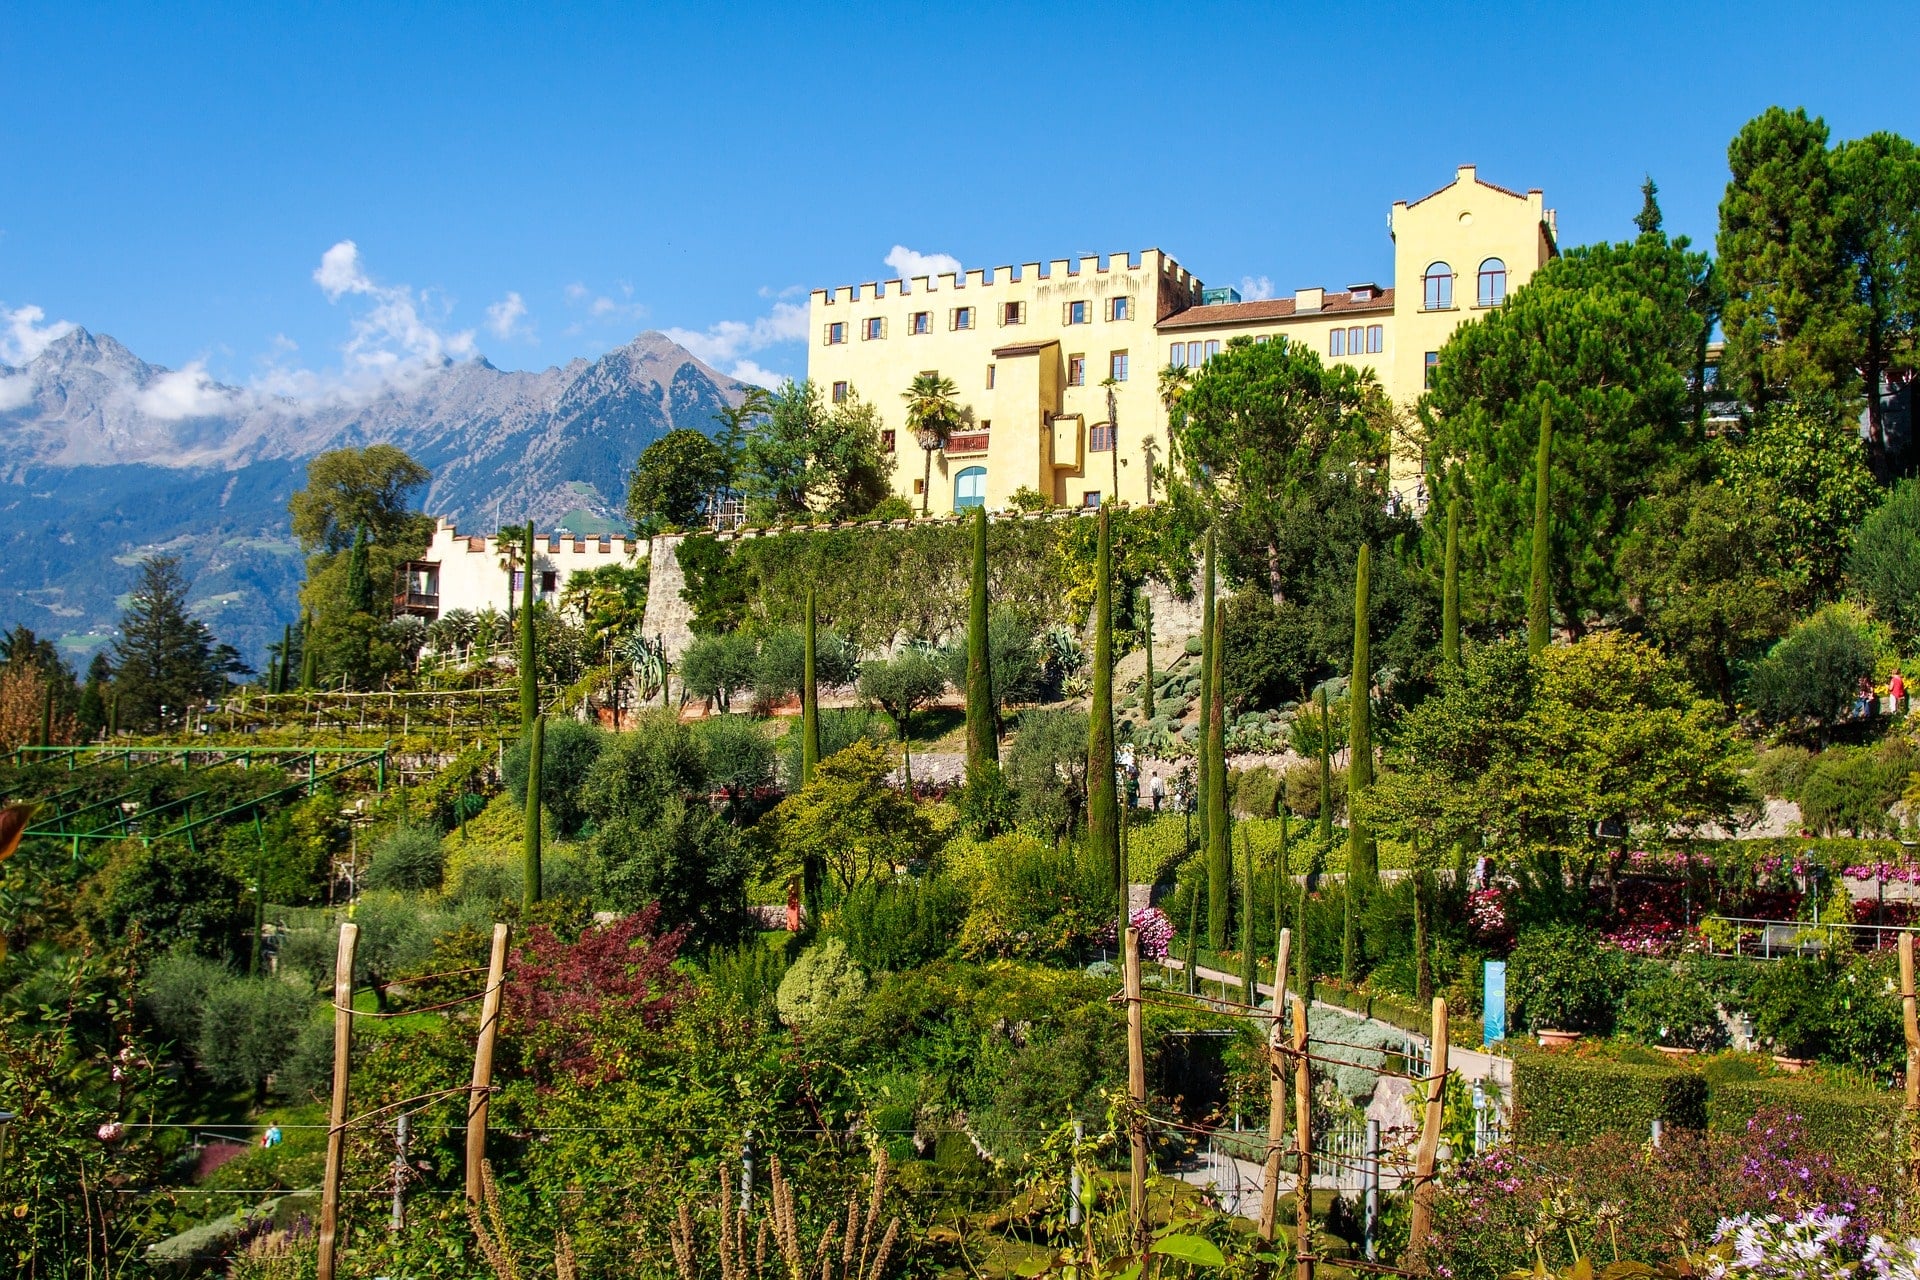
[1897, 691]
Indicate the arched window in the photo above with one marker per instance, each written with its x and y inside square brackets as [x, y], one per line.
[1493, 282]
[1439, 282]
[970, 488]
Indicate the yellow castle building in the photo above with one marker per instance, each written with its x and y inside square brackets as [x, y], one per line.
[1058, 368]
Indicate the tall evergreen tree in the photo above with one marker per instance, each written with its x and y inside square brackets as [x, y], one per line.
[1649, 219]
[529, 645]
[307, 658]
[1879, 183]
[1249, 960]
[983, 740]
[1103, 805]
[1361, 854]
[1539, 615]
[1219, 846]
[530, 849]
[1791, 318]
[1450, 586]
[1207, 576]
[1193, 936]
[164, 657]
[1324, 823]
[279, 684]
[809, 701]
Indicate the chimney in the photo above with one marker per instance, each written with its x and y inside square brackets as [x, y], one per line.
[1465, 173]
[1309, 299]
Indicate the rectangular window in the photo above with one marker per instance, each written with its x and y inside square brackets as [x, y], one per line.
[962, 318]
[1196, 356]
[549, 581]
[1076, 371]
[836, 333]
[1120, 308]
[1013, 313]
[520, 584]
[1433, 364]
[1177, 357]
[923, 322]
[920, 487]
[874, 327]
[990, 371]
[1100, 438]
[1079, 312]
[986, 424]
[887, 440]
[839, 393]
[1356, 337]
[1117, 366]
[1376, 338]
[1337, 343]
[1213, 349]
[1090, 499]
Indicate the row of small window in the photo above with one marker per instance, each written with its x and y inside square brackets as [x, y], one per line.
[1357, 340]
[1438, 282]
[874, 328]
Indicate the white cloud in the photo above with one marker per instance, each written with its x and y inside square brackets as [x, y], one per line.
[188, 392]
[1255, 288]
[16, 391]
[910, 262]
[748, 371]
[23, 336]
[602, 308]
[504, 317]
[396, 336]
[728, 341]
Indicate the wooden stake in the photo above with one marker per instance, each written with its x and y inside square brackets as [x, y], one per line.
[1911, 1019]
[1276, 1090]
[1429, 1138]
[1137, 1087]
[483, 1064]
[337, 1118]
[1303, 1144]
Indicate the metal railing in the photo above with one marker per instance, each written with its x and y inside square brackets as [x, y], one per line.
[1774, 939]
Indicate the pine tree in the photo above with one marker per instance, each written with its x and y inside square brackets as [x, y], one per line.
[1450, 588]
[1103, 806]
[809, 702]
[1649, 219]
[1539, 618]
[1361, 854]
[530, 849]
[529, 651]
[983, 742]
[1219, 850]
[164, 656]
[1207, 575]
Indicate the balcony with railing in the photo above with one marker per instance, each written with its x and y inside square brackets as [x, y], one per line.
[963, 443]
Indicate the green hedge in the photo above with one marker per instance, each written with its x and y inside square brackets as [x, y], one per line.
[1839, 1121]
[1463, 1031]
[1558, 1097]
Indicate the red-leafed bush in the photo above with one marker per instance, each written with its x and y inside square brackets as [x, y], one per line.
[563, 999]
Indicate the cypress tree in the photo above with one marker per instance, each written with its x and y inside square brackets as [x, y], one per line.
[809, 703]
[358, 588]
[1146, 622]
[1249, 965]
[1219, 851]
[1103, 806]
[1193, 936]
[1450, 586]
[1539, 623]
[286, 656]
[530, 851]
[1360, 850]
[1206, 683]
[306, 651]
[983, 743]
[529, 654]
[1323, 829]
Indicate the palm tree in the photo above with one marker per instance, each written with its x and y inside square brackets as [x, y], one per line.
[931, 414]
[1174, 381]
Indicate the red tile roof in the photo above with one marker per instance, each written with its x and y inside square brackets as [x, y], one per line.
[1231, 313]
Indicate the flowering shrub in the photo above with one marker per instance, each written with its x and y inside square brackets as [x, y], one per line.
[1884, 873]
[558, 994]
[1487, 918]
[1156, 932]
[1775, 1248]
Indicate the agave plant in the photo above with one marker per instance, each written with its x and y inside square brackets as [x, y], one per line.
[648, 658]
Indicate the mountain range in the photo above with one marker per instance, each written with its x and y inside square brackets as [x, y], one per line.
[108, 459]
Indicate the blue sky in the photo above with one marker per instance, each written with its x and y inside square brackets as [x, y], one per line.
[293, 194]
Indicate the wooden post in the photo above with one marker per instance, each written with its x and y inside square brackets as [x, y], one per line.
[483, 1064]
[1276, 1090]
[1429, 1138]
[1303, 1144]
[337, 1118]
[1137, 1087]
[1911, 1019]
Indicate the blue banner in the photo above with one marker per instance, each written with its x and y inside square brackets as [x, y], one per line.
[1493, 1003]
